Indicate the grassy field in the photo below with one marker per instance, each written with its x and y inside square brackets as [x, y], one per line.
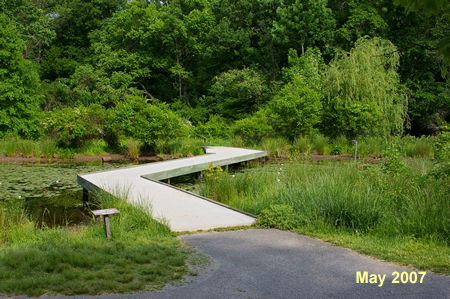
[394, 210]
[397, 210]
[38, 257]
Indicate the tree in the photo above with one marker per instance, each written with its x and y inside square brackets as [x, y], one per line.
[296, 109]
[363, 20]
[302, 24]
[159, 46]
[363, 95]
[33, 22]
[237, 93]
[432, 7]
[73, 21]
[19, 100]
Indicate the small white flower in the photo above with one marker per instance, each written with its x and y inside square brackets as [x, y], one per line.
[278, 180]
[232, 176]
[281, 168]
[57, 181]
[278, 172]
[20, 196]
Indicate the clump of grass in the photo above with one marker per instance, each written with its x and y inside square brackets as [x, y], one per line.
[48, 148]
[418, 147]
[93, 147]
[142, 256]
[12, 214]
[339, 146]
[133, 148]
[301, 145]
[277, 147]
[18, 146]
[182, 147]
[320, 144]
[372, 146]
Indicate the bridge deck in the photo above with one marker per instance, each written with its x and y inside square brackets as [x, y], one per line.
[182, 210]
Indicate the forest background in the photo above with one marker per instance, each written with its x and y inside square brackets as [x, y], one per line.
[76, 71]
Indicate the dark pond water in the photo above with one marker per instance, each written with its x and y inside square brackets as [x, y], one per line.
[49, 193]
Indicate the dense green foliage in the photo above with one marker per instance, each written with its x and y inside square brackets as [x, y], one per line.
[363, 95]
[19, 101]
[204, 68]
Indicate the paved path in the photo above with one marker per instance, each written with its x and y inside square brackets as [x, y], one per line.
[182, 210]
[259, 263]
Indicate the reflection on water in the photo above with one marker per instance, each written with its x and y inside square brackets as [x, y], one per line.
[50, 193]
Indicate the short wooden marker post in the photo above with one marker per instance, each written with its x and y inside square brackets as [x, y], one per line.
[105, 213]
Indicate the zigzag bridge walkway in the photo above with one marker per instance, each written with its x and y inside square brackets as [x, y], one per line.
[183, 210]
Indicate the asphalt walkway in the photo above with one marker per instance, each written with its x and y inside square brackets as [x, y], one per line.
[259, 263]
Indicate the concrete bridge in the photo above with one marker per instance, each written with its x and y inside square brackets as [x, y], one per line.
[183, 210]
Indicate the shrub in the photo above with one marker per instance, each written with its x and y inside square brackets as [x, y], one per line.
[393, 164]
[295, 110]
[153, 124]
[215, 127]
[157, 124]
[279, 216]
[253, 128]
[441, 168]
[72, 127]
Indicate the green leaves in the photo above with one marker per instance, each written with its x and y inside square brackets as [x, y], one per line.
[302, 24]
[237, 93]
[153, 124]
[19, 81]
[295, 110]
[363, 92]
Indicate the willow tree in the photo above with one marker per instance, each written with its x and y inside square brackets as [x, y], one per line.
[363, 95]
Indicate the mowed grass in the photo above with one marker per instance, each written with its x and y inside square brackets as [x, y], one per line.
[142, 255]
[400, 215]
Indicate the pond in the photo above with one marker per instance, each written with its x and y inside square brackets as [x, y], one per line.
[49, 192]
[52, 197]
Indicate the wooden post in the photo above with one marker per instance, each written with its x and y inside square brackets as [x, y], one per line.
[85, 195]
[108, 232]
[105, 214]
[168, 181]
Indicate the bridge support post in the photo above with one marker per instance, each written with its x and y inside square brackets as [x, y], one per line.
[85, 196]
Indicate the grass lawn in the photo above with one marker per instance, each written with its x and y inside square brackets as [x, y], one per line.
[394, 210]
[142, 255]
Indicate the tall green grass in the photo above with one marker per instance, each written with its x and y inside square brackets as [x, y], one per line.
[343, 196]
[276, 147]
[142, 254]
